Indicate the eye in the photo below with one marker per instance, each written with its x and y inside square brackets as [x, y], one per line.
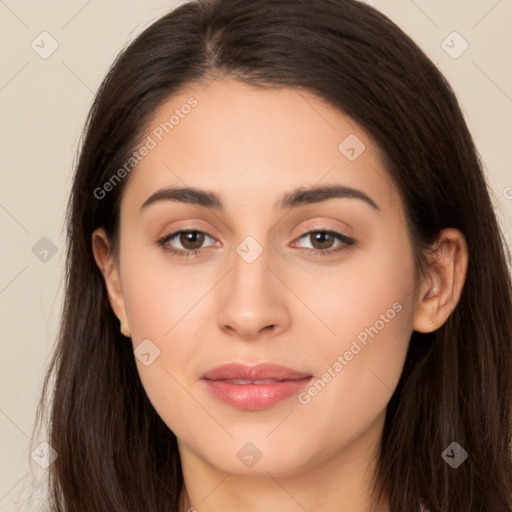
[323, 240]
[191, 242]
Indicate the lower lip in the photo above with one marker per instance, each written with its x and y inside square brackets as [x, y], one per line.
[255, 396]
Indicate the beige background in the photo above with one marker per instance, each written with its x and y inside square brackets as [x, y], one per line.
[44, 103]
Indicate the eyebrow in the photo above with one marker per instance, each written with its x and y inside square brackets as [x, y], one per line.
[293, 199]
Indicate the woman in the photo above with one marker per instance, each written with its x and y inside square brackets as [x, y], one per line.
[207, 358]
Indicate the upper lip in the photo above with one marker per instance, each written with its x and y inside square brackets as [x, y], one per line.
[259, 371]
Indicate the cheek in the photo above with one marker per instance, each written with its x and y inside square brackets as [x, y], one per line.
[160, 293]
[370, 308]
[164, 303]
[357, 373]
[363, 293]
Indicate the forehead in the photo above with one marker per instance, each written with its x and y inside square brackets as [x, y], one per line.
[251, 143]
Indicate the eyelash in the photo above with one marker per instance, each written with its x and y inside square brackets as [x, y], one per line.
[346, 243]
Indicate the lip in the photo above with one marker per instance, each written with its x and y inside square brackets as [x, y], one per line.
[254, 387]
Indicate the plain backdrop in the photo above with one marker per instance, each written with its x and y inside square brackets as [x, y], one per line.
[44, 98]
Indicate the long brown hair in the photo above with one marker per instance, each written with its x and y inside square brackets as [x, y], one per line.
[114, 451]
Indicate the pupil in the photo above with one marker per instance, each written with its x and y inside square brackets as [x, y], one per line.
[318, 238]
[188, 238]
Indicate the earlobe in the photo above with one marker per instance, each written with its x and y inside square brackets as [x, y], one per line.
[441, 289]
[110, 271]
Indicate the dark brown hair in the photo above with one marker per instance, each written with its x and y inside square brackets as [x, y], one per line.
[114, 451]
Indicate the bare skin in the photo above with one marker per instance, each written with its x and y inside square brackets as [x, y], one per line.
[288, 306]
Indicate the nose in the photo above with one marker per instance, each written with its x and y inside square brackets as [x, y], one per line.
[253, 300]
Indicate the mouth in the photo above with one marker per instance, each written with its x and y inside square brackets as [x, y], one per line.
[244, 382]
[254, 387]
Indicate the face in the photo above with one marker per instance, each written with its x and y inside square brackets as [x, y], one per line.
[270, 271]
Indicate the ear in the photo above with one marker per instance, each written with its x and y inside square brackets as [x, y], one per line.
[110, 270]
[442, 287]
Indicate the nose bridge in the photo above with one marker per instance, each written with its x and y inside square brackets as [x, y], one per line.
[250, 270]
[251, 278]
[252, 253]
[251, 300]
